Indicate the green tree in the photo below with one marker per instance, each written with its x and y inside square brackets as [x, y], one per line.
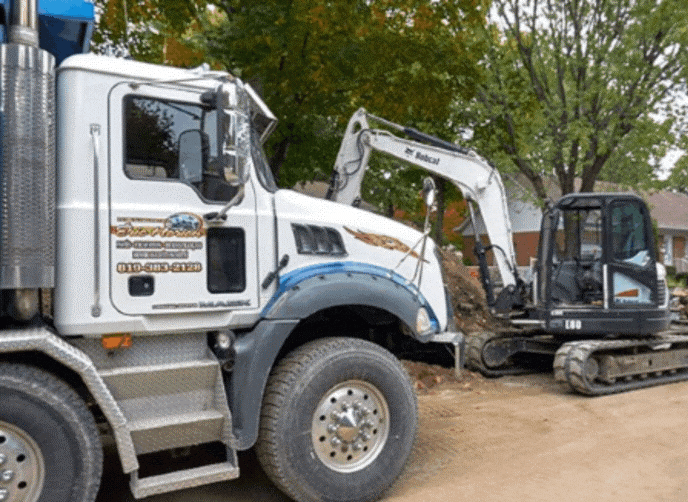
[146, 29]
[580, 88]
[316, 61]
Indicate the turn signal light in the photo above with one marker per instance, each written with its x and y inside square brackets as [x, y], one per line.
[118, 341]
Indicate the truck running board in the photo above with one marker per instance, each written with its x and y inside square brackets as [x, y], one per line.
[171, 392]
[179, 480]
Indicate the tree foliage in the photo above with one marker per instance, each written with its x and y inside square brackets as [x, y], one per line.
[149, 30]
[316, 61]
[580, 88]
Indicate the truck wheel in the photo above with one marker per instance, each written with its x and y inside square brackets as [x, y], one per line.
[338, 422]
[50, 449]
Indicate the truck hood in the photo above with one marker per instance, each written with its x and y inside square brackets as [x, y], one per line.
[371, 243]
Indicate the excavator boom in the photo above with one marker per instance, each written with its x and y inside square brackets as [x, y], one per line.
[477, 180]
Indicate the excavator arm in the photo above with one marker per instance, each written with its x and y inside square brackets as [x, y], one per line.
[477, 180]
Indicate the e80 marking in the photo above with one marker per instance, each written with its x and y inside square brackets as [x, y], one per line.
[573, 324]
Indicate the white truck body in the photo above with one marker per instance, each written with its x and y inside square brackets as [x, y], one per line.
[91, 90]
[185, 289]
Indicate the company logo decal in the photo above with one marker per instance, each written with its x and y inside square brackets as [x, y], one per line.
[141, 239]
[184, 225]
[183, 222]
[383, 241]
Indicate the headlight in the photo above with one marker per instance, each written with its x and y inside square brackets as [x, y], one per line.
[423, 323]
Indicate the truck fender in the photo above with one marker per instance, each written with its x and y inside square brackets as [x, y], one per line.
[44, 341]
[301, 294]
[256, 352]
[305, 291]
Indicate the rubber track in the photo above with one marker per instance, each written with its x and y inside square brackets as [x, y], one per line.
[474, 358]
[570, 361]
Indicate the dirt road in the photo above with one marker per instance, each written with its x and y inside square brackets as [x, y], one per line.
[514, 439]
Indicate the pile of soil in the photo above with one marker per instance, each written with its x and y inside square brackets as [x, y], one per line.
[426, 377]
[679, 303]
[468, 296]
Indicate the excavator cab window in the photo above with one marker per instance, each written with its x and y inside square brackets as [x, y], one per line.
[571, 256]
[629, 234]
[577, 260]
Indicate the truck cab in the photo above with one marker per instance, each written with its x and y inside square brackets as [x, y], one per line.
[177, 211]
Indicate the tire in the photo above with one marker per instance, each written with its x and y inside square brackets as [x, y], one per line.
[338, 422]
[49, 442]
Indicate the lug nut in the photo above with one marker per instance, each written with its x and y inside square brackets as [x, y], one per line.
[7, 476]
[336, 442]
[356, 447]
[332, 428]
[3, 494]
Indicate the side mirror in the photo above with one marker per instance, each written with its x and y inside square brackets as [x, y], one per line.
[230, 174]
[429, 192]
[192, 155]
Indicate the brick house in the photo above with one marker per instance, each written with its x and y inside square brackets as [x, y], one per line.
[668, 209]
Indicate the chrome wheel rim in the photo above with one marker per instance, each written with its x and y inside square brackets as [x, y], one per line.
[350, 426]
[22, 468]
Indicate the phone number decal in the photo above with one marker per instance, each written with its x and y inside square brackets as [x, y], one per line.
[158, 267]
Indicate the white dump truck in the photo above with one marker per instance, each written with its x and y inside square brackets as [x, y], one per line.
[156, 286]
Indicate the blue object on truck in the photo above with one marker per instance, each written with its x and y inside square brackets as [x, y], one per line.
[65, 27]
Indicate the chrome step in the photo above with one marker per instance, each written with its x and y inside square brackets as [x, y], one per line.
[175, 431]
[131, 382]
[179, 480]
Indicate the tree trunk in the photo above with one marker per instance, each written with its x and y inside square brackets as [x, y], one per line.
[389, 212]
[278, 156]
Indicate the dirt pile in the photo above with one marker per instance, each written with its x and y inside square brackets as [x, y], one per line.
[679, 303]
[426, 377]
[468, 296]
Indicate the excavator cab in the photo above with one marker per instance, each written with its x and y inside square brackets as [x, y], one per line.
[597, 267]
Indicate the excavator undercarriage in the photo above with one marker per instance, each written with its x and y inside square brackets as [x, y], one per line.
[593, 367]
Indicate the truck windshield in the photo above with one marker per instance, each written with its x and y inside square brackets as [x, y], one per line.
[260, 162]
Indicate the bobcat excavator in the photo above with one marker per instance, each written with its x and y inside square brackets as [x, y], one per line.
[597, 300]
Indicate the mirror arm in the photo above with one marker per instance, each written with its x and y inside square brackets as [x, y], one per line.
[216, 217]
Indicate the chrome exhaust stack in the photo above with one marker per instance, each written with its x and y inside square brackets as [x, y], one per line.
[27, 162]
[24, 19]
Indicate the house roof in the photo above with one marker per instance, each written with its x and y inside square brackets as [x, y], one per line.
[669, 209]
[318, 189]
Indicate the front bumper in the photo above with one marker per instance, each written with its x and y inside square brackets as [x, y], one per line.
[458, 340]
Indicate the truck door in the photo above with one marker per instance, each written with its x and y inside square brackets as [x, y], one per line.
[632, 272]
[165, 175]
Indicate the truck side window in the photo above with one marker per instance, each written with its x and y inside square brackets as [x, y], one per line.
[153, 128]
